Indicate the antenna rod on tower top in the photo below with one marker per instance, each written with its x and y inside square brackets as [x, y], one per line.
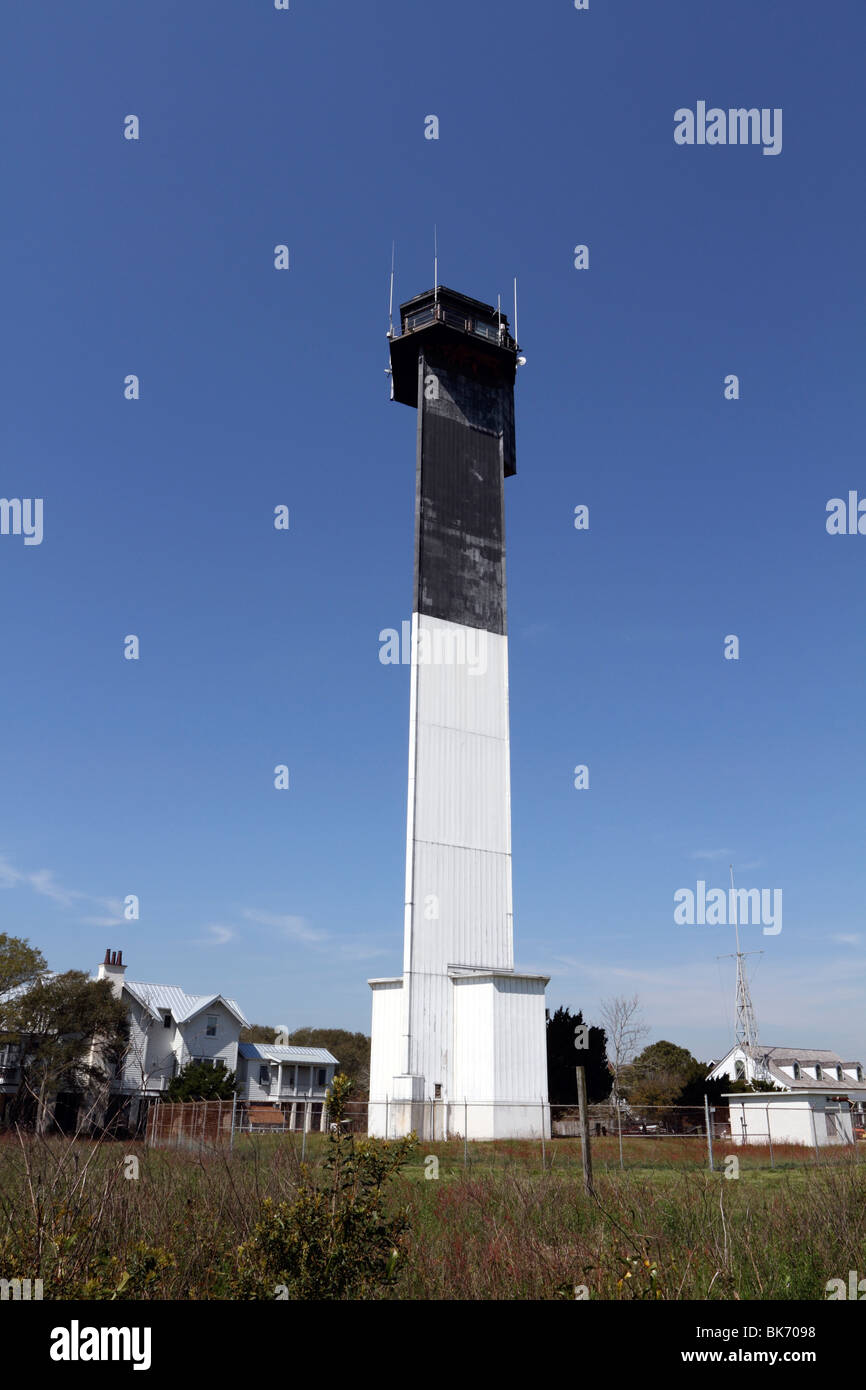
[516, 339]
[391, 296]
[435, 264]
[736, 914]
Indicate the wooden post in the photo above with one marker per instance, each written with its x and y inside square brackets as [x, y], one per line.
[584, 1130]
[709, 1131]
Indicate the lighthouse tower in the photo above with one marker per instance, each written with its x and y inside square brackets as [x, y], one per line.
[458, 1040]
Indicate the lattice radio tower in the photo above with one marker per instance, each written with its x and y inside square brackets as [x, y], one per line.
[745, 1028]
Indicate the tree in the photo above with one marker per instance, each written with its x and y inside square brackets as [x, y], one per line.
[69, 1028]
[563, 1057]
[258, 1033]
[198, 1081]
[624, 1032]
[352, 1051]
[664, 1076]
[20, 964]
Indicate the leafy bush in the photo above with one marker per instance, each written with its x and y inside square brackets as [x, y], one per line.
[334, 1240]
[199, 1081]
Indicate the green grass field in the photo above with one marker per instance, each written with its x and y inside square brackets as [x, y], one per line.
[108, 1220]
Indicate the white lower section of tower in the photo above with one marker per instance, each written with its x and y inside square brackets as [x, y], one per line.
[458, 1041]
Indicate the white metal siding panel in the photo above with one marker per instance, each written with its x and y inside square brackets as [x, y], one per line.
[460, 695]
[430, 1024]
[460, 792]
[468, 890]
[385, 1053]
[473, 1078]
[521, 1050]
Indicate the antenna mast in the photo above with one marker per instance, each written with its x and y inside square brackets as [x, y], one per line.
[391, 297]
[435, 265]
[516, 339]
[746, 1028]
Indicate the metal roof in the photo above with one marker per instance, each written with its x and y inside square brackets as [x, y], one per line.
[266, 1052]
[182, 1006]
[778, 1057]
[805, 1055]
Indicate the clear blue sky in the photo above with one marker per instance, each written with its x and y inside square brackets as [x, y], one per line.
[259, 387]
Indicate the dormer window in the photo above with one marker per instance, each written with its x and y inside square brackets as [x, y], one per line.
[819, 1074]
[839, 1074]
[796, 1071]
[166, 1022]
[859, 1072]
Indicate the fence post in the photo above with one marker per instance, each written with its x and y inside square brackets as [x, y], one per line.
[814, 1130]
[769, 1135]
[543, 1163]
[585, 1154]
[709, 1132]
[386, 1114]
[465, 1131]
[232, 1131]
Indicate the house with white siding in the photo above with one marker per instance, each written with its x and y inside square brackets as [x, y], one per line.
[293, 1079]
[823, 1099]
[169, 1028]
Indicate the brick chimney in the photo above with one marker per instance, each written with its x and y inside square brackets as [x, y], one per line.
[113, 969]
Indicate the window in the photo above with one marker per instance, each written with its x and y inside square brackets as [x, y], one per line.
[437, 1091]
[819, 1075]
[289, 1074]
[211, 1028]
[796, 1071]
[838, 1073]
[166, 1022]
[321, 1075]
[739, 1071]
[264, 1076]
[859, 1072]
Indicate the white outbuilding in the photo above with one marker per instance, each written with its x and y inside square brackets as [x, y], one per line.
[814, 1118]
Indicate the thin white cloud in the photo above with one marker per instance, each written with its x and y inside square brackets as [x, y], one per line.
[43, 882]
[296, 928]
[711, 854]
[846, 938]
[359, 951]
[219, 936]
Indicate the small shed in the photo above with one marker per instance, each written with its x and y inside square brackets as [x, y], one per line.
[807, 1117]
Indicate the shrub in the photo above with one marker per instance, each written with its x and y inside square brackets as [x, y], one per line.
[335, 1239]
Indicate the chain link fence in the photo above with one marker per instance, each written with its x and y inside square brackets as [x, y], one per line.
[760, 1130]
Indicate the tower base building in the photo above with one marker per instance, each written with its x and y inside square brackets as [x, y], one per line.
[459, 1039]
